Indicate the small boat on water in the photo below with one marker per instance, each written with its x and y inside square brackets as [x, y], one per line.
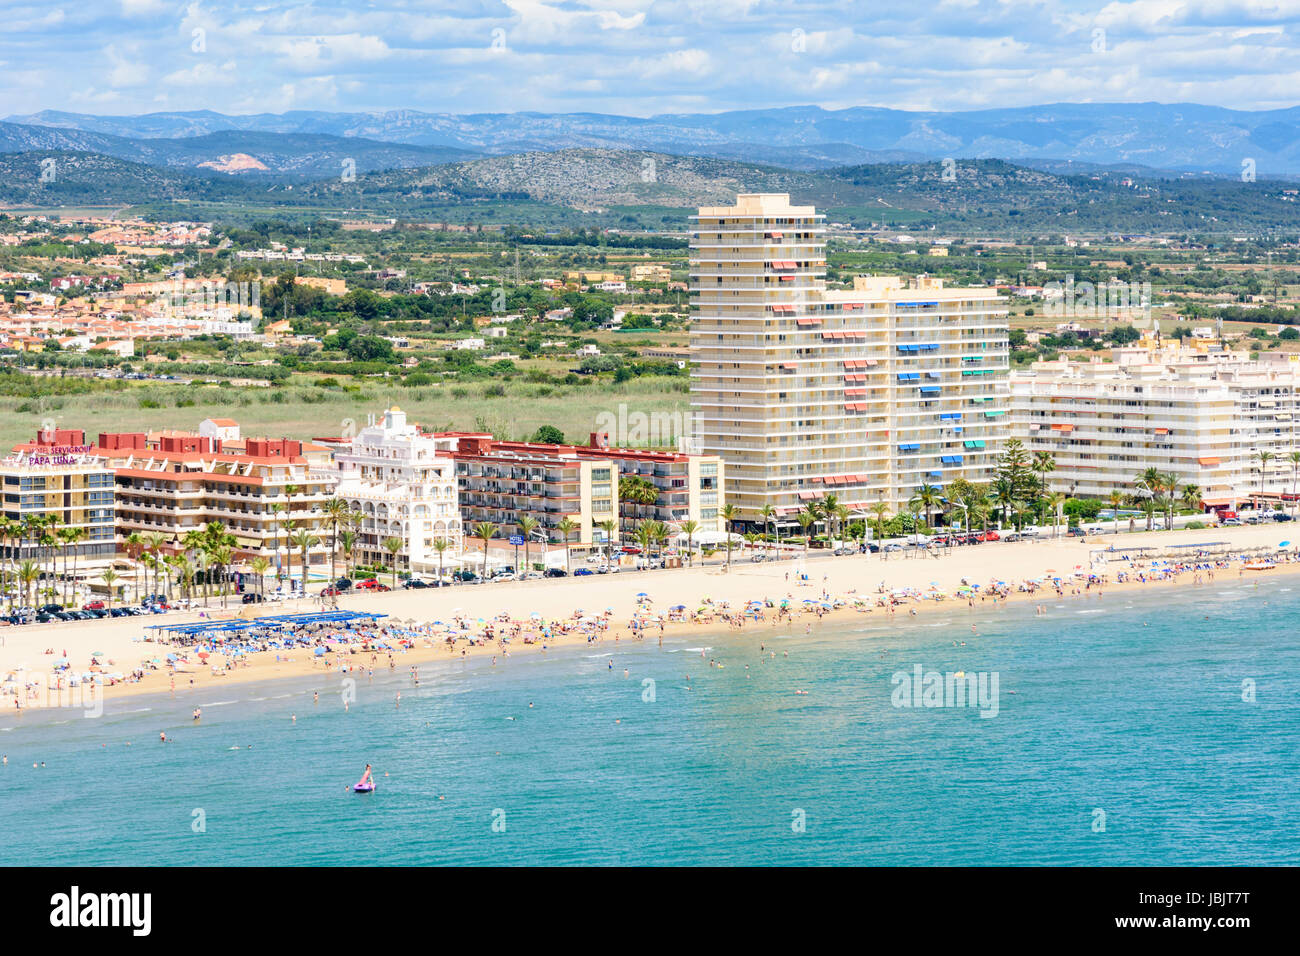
[1259, 566]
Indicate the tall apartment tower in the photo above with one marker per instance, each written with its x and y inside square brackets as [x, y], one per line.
[867, 393]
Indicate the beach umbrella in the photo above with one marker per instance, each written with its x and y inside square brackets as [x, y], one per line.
[678, 607]
[97, 654]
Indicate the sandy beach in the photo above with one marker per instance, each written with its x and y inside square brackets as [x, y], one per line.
[861, 581]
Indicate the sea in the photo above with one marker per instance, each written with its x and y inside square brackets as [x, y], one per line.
[1155, 728]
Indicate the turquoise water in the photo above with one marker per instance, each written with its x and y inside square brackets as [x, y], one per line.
[1129, 705]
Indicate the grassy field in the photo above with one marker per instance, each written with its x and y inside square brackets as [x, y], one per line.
[305, 412]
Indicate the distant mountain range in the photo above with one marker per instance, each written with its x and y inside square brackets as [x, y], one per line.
[284, 155]
[585, 187]
[1181, 138]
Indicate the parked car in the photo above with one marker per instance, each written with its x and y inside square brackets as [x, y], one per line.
[582, 573]
[49, 609]
[556, 573]
[369, 584]
[1077, 532]
[414, 584]
[330, 591]
[1281, 516]
[93, 606]
[343, 584]
[992, 536]
[252, 597]
[464, 576]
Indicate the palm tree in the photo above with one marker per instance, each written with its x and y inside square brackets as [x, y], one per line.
[927, 498]
[277, 511]
[134, 544]
[806, 518]
[5, 525]
[1171, 488]
[440, 545]
[1192, 497]
[220, 555]
[1153, 479]
[826, 509]
[485, 531]
[645, 537]
[110, 578]
[1054, 500]
[67, 538]
[608, 526]
[566, 526]
[392, 545]
[728, 516]
[689, 528]
[336, 511]
[28, 573]
[260, 566]
[155, 544]
[1044, 463]
[527, 524]
[1294, 458]
[305, 541]
[768, 514]
[881, 511]
[347, 542]
[1116, 499]
[1264, 457]
[1003, 491]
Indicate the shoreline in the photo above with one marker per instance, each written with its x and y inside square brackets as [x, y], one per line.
[846, 578]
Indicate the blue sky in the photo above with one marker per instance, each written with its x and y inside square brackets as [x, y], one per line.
[641, 57]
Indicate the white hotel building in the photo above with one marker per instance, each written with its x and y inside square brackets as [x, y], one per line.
[867, 393]
[403, 482]
[1198, 411]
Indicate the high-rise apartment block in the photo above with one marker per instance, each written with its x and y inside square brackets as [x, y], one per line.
[867, 393]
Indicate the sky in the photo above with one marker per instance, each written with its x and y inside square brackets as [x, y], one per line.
[641, 57]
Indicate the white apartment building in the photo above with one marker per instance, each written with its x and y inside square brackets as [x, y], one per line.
[866, 393]
[403, 482]
[1198, 411]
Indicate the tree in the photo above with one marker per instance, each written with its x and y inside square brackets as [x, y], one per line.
[134, 545]
[1263, 457]
[566, 526]
[689, 528]
[1192, 497]
[768, 514]
[336, 511]
[806, 518]
[609, 526]
[305, 541]
[728, 516]
[527, 525]
[547, 435]
[110, 578]
[485, 531]
[1116, 499]
[347, 543]
[881, 511]
[1153, 480]
[1054, 500]
[28, 573]
[277, 511]
[440, 545]
[1294, 458]
[927, 498]
[260, 566]
[393, 545]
